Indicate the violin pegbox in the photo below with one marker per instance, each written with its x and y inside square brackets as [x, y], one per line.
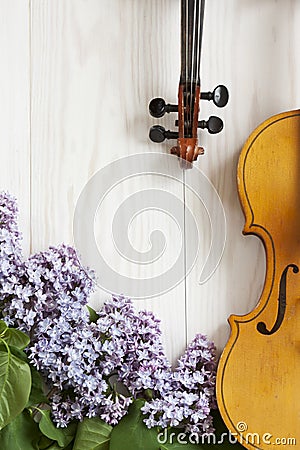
[189, 95]
[187, 148]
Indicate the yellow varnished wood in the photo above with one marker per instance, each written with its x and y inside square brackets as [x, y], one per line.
[259, 375]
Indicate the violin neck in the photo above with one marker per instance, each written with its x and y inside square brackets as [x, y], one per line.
[192, 13]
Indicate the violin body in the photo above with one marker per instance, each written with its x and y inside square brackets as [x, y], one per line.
[258, 376]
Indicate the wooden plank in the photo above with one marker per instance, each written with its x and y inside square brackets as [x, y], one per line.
[95, 66]
[15, 107]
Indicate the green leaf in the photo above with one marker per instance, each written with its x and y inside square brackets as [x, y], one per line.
[132, 433]
[57, 447]
[3, 327]
[37, 394]
[16, 352]
[63, 436]
[93, 434]
[16, 338]
[15, 385]
[93, 315]
[45, 443]
[48, 444]
[21, 434]
[54, 446]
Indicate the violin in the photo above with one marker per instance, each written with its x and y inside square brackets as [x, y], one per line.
[189, 93]
[259, 371]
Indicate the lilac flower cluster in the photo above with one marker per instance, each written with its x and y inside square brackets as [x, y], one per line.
[142, 364]
[125, 346]
[88, 359]
[191, 397]
[50, 285]
[10, 245]
[10, 233]
[85, 363]
[73, 360]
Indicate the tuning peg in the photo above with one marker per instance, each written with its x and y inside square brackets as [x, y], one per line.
[214, 124]
[219, 96]
[158, 107]
[159, 134]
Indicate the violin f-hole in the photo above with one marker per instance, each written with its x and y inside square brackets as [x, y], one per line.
[261, 326]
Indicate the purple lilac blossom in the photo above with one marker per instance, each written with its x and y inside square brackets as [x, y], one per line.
[9, 227]
[83, 359]
[50, 285]
[73, 361]
[143, 364]
[10, 246]
[192, 395]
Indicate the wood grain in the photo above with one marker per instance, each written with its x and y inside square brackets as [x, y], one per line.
[15, 108]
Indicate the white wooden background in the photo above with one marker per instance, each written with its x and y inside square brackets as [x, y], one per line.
[75, 81]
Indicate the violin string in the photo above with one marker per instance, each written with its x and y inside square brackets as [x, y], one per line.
[190, 38]
[190, 49]
[183, 42]
[196, 60]
[201, 22]
[196, 42]
[186, 47]
[193, 16]
[200, 19]
[184, 50]
[191, 56]
[195, 31]
[197, 45]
